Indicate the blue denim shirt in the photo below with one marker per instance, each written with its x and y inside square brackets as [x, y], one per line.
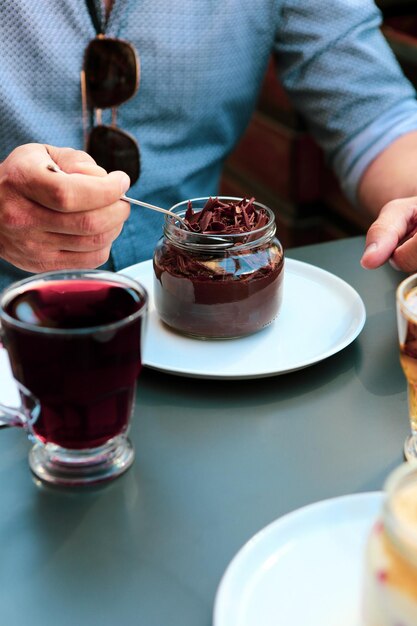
[202, 65]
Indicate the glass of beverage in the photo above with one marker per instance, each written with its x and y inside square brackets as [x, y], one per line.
[407, 334]
[390, 572]
[74, 340]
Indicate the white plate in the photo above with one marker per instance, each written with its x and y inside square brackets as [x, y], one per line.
[9, 393]
[320, 315]
[303, 569]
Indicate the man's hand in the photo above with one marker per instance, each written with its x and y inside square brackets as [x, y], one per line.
[392, 175]
[51, 221]
[393, 236]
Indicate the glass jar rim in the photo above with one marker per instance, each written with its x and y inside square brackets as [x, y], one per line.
[217, 241]
[403, 289]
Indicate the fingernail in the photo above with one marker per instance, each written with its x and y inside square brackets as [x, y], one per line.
[53, 167]
[124, 183]
[394, 265]
[371, 248]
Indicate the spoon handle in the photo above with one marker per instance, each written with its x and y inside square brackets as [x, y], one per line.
[155, 208]
[54, 168]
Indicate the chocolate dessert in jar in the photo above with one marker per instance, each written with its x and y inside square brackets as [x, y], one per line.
[222, 276]
[390, 585]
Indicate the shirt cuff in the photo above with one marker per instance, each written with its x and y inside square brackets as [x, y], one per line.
[353, 158]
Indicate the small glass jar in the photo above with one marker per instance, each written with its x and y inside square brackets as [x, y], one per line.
[218, 286]
[390, 585]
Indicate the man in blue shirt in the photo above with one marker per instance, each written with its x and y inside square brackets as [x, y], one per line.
[202, 64]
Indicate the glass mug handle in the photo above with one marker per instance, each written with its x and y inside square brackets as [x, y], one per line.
[24, 415]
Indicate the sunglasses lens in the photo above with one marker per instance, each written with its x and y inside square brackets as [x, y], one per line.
[111, 72]
[114, 149]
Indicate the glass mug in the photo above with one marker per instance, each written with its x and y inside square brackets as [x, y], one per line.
[74, 340]
[406, 300]
[390, 577]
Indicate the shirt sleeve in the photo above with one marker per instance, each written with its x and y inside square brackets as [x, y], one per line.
[344, 79]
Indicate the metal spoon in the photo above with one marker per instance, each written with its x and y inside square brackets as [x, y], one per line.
[53, 167]
[157, 208]
[197, 240]
[202, 240]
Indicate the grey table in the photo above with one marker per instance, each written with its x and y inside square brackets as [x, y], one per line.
[216, 462]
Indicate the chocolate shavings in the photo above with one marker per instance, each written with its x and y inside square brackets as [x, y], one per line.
[229, 217]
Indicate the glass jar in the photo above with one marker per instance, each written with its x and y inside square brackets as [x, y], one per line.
[221, 286]
[390, 586]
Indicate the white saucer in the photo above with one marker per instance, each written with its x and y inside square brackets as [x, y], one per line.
[304, 569]
[321, 314]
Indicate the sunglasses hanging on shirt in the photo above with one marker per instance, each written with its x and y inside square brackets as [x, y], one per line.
[109, 77]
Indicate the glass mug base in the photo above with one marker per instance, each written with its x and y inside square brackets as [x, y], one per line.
[410, 448]
[60, 466]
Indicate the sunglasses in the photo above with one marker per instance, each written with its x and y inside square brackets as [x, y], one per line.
[110, 77]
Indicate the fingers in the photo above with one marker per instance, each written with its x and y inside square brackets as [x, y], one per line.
[80, 191]
[82, 185]
[56, 220]
[82, 223]
[50, 251]
[392, 236]
[61, 260]
[37, 251]
[89, 222]
[71, 243]
[405, 256]
[74, 161]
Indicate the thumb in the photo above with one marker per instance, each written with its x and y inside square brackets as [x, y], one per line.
[74, 161]
[379, 246]
[396, 220]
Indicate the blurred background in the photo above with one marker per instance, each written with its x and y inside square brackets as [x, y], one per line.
[302, 191]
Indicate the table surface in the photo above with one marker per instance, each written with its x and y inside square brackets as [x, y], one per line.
[216, 461]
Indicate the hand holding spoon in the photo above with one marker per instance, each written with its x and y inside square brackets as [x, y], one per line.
[199, 240]
[54, 168]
